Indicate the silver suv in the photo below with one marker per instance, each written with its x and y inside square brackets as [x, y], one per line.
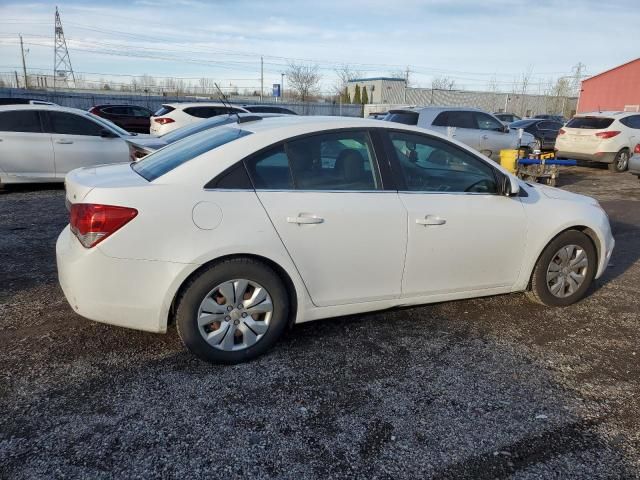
[474, 127]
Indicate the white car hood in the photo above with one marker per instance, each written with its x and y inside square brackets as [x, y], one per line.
[559, 194]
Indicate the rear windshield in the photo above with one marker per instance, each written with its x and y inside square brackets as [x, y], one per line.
[187, 130]
[592, 123]
[408, 118]
[164, 109]
[174, 155]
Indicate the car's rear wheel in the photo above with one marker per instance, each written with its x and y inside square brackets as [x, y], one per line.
[621, 162]
[233, 311]
[564, 270]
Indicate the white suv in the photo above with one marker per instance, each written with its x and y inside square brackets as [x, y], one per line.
[176, 115]
[476, 128]
[607, 137]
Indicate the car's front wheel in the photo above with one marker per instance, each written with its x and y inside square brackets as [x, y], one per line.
[565, 270]
[233, 311]
[620, 162]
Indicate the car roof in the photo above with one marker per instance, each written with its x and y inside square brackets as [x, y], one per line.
[610, 113]
[436, 109]
[199, 104]
[118, 105]
[56, 108]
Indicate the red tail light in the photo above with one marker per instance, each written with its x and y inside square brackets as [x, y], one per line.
[609, 134]
[95, 111]
[561, 132]
[637, 149]
[163, 120]
[92, 223]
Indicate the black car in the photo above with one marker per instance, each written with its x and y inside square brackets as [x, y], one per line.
[130, 117]
[268, 109]
[555, 118]
[507, 117]
[544, 131]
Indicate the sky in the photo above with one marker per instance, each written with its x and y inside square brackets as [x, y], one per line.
[473, 43]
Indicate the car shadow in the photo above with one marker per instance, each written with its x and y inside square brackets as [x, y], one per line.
[29, 187]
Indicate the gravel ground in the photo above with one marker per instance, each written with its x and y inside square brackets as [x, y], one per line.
[480, 389]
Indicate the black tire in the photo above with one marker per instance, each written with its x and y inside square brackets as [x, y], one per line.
[196, 290]
[621, 162]
[540, 291]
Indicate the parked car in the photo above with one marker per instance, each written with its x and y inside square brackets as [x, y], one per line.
[544, 131]
[507, 118]
[377, 115]
[42, 143]
[555, 118]
[130, 117]
[634, 161]
[146, 145]
[476, 128]
[23, 101]
[607, 137]
[269, 109]
[235, 234]
[175, 115]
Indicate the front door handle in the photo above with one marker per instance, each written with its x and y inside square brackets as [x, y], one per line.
[64, 141]
[485, 136]
[303, 219]
[431, 220]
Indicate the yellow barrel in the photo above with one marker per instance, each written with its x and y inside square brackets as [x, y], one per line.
[509, 159]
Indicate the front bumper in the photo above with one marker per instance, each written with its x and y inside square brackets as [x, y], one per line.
[129, 293]
[603, 157]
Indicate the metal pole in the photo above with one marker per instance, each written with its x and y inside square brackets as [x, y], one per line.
[24, 65]
[261, 78]
[17, 83]
[282, 86]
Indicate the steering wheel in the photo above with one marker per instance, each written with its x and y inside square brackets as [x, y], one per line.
[471, 187]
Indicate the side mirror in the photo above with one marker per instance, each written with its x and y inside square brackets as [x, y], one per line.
[505, 128]
[509, 186]
[104, 133]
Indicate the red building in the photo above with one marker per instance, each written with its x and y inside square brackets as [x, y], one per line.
[614, 89]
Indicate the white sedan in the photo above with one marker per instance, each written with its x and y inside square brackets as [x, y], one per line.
[238, 232]
[42, 143]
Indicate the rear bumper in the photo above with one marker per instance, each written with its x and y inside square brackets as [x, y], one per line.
[634, 164]
[606, 157]
[129, 293]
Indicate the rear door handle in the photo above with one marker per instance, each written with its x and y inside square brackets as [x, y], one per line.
[485, 136]
[303, 219]
[431, 220]
[64, 141]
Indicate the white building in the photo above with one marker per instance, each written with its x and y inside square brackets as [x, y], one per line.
[380, 89]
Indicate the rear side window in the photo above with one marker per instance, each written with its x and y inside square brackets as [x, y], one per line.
[455, 118]
[270, 170]
[591, 123]
[163, 110]
[27, 121]
[407, 118]
[70, 124]
[174, 155]
[632, 122]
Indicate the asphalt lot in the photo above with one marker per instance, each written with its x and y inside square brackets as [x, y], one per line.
[488, 388]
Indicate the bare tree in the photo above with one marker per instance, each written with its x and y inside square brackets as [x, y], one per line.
[207, 86]
[304, 80]
[345, 74]
[443, 83]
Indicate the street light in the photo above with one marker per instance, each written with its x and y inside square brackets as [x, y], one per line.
[282, 86]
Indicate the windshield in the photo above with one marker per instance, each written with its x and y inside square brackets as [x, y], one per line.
[183, 132]
[521, 124]
[166, 159]
[110, 124]
[408, 118]
[591, 123]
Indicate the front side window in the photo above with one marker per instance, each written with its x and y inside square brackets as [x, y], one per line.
[342, 161]
[65, 123]
[166, 159]
[26, 121]
[434, 165]
[487, 122]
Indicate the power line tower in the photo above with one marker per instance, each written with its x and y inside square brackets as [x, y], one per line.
[578, 75]
[62, 70]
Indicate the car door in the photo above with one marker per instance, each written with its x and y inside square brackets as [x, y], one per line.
[25, 149]
[462, 235]
[633, 131]
[77, 142]
[493, 135]
[344, 232]
[140, 119]
[463, 123]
